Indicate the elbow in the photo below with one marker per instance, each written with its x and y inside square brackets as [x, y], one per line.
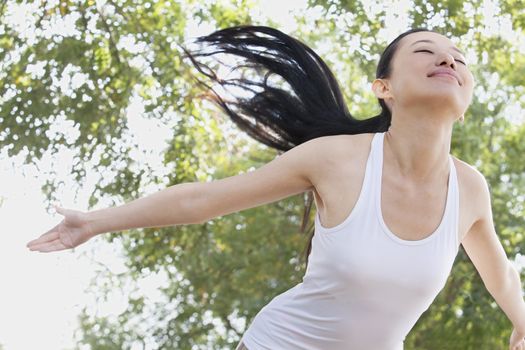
[204, 205]
[507, 281]
[184, 204]
[194, 205]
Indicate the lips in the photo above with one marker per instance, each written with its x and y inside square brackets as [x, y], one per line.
[446, 71]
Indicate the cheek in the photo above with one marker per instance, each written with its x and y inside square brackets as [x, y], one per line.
[469, 94]
[468, 84]
[409, 84]
[412, 76]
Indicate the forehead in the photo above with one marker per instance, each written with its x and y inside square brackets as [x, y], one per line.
[431, 38]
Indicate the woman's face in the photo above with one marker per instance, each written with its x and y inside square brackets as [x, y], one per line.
[413, 80]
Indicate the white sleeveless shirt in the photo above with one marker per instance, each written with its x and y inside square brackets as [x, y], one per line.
[364, 288]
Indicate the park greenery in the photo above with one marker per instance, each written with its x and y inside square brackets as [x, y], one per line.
[222, 272]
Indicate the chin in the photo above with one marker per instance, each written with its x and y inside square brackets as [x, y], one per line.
[436, 99]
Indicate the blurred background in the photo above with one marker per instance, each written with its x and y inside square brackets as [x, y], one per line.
[97, 108]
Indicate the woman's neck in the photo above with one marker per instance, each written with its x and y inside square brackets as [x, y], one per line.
[419, 148]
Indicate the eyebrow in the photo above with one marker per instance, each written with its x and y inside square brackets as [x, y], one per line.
[430, 41]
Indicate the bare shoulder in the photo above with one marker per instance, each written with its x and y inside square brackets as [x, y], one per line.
[344, 144]
[342, 156]
[312, 165]
[324, 154]
[474, 190]
[469, 175]
[343, 138]
[342, 149]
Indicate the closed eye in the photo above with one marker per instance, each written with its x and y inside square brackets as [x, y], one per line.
[432, 52]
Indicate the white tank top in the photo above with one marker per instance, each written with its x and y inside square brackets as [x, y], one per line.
[364, 287]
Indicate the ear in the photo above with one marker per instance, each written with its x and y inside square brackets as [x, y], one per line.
[381, 89]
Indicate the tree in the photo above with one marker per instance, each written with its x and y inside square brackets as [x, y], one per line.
[224, 271]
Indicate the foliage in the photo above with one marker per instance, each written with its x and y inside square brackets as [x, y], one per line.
[227, 269]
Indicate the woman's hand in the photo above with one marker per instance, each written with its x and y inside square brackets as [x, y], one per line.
[72, 231]
[516, 340]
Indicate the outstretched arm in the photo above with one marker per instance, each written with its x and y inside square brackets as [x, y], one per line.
[293, 172]
[500, 277]
[198, 202]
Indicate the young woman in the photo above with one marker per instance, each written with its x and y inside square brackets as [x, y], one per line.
[393, 204]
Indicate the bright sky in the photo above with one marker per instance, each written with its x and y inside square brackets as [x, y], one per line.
[41, 294]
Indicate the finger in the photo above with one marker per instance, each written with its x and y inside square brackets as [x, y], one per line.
[60, 210]
[46, 238]
[53, 246]
[45, 234]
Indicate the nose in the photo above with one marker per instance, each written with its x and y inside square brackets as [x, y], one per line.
[447, 59]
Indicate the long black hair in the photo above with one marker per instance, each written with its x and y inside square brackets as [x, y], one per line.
[281, 116]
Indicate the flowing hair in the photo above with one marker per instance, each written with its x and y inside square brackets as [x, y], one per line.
[308, 102]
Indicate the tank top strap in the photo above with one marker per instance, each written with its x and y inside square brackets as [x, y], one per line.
[453, 184]
[368, 188]
[377, 158]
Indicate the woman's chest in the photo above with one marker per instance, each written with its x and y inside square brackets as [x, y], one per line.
[409, 213]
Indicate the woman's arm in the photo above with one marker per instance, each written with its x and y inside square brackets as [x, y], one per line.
[484, 249]
[198, 202]
[293, 172]
[170, 206]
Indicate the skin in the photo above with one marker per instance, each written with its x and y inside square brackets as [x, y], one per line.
[423, 108]
[417, 147]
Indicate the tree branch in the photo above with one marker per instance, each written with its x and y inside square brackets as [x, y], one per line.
[112, 43]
